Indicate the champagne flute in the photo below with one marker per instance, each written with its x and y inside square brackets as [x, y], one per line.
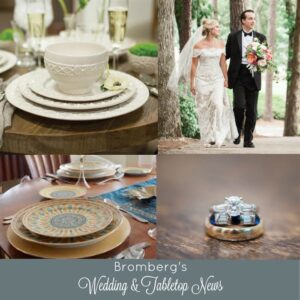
[117, 15]
[36, 25]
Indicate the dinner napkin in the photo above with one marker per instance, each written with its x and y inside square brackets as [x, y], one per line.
[6, 112]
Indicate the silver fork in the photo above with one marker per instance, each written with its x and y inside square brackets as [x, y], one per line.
[7, 220]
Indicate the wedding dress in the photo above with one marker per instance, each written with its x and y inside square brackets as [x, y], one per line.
[215, 114]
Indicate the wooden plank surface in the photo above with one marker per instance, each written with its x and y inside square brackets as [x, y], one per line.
[31, 134]
[13, 203]
[190, 184]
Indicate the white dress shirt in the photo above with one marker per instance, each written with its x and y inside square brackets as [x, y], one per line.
[246, 40]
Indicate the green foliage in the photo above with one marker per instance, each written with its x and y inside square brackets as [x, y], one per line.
[6, 34]
[278, 106]
[201, 9]
[145, 49]
[189, 118]
[83, 3]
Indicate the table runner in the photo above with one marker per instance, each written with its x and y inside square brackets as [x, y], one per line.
[143, 208]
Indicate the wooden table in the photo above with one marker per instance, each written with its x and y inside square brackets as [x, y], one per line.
[15, 203]
[130, 133]
[190, 184]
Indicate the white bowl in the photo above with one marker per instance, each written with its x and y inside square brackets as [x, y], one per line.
[75, 66]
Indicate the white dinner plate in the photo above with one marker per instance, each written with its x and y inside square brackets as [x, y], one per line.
[75, 174]
[42, 84]
[10, 63]
[15, 97]
[118, 99]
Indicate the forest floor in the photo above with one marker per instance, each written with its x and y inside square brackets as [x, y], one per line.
[268, 140]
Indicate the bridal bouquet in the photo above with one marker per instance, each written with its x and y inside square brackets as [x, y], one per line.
[259, 57]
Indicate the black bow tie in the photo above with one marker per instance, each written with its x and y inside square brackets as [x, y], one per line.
[248, 33]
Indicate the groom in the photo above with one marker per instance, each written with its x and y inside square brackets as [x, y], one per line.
[245, 86]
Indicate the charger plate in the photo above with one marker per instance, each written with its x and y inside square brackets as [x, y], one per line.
[67, 218]
[109, 243]
[23, 233]
[63, 191]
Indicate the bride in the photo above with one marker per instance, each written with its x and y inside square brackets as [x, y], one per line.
[202, 65]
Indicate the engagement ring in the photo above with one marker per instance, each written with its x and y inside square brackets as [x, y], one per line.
[234, 220]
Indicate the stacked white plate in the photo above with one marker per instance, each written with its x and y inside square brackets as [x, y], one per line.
[7, 61]
[68, 229]
[38, 94]
[92, 170]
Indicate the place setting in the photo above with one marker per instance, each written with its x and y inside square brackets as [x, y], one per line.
[77, 87]
[68, 223]
[72, 228]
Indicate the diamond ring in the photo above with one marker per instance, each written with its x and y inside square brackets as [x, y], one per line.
[234, 212]
[234, 220]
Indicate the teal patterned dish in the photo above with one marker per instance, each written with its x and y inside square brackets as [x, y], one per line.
[21, 231]
[67, 218]
[63, 191]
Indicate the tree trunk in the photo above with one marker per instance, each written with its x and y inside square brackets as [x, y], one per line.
[290, 13]
[186, 22]
[236, 8]
[291, 116]
[168, 111]
[214, 4]
[268, 112]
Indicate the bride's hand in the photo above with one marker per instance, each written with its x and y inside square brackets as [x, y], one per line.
[226, 83]
[193, 90]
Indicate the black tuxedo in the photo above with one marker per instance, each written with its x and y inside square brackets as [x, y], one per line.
[245, 86]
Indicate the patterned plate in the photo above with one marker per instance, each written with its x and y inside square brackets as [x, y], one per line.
[42, 84]
[15, 97]
[109, 243]
[67, 191]
[21, 231]
[67, 218]
[136, 171]
[109, 102]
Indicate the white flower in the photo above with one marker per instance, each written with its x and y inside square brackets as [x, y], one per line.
[262, 62]
[115, 83]
[255, 45]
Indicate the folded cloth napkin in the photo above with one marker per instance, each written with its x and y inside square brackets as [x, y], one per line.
[6, 111]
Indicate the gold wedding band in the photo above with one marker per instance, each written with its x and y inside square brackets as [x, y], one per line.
[234, 233]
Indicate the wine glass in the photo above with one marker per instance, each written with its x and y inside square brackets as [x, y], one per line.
[36, 25]
[117, 15]
[81, 173]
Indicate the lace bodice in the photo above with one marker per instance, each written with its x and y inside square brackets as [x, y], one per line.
[209, 65]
